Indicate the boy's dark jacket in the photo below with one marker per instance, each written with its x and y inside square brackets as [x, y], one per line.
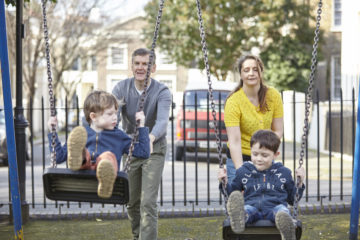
[266, 189]
[115, 141]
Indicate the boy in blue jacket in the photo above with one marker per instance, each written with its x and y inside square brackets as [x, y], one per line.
[100, 145]
[267, 187]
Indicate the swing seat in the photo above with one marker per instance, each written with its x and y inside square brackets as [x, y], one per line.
[260, 230]
[63, 184]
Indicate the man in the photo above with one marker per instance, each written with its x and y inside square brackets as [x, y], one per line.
[145, 174]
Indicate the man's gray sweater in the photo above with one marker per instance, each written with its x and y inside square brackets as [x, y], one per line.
[156, 107]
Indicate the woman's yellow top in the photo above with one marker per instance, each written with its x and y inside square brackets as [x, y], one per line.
[239, 111]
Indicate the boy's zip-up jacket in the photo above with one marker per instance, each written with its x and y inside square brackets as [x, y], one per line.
[265, 189]
[115, 141]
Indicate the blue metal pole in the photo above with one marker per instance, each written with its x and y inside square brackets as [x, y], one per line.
[9, 120]
[354, 218]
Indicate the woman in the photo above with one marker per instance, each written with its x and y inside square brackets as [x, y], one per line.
[250, 107]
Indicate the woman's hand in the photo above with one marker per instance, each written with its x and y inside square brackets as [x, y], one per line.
[222, 176]
[140, 116]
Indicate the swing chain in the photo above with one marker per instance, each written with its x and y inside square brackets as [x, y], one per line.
[308, 103]
[143, 94]
[207, 67]
[50, 85]
[206, 61]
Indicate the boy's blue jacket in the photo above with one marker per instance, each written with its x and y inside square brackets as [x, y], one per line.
[115, 141]
[266, 189]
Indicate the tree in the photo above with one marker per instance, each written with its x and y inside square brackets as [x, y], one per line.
[13, 2]
[232, 29]
[73, 35]
[287, 57]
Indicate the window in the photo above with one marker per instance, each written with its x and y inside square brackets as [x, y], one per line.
[117, 55]
[112, 80]
[93, 63]
[164, 62]
[165, 59]
[337, 13]
[201, 97]
[168, 79]
[167, 82]
[76, 64]
[335, 76]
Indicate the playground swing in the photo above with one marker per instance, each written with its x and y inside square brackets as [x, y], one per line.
[62, 184]
[263, 229]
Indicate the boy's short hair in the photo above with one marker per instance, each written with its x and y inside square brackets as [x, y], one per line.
[142, 52]
[267, 139]
[97, 101]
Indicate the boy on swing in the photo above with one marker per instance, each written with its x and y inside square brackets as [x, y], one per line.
[267, 187]
[100, 145]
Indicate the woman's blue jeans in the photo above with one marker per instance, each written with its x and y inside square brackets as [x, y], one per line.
[230, 170]
[230, 167]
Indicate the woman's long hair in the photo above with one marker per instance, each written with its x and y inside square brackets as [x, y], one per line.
[263, 88]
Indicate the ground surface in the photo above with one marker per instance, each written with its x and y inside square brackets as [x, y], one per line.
[326, 226]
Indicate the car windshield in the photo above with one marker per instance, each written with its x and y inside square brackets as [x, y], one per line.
[201, 98]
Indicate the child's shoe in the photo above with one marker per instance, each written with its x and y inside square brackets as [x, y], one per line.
[106, 175]
[284, 223]
[76, 144]
[235, 207]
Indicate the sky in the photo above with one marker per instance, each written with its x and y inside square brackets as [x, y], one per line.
[116, 8]
[123, 8]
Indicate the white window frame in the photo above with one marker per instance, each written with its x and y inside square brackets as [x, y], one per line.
[90, 66]
[336, 27]
[335, 94]
[79, 62]
[112, 66]
[160, 66]
[111, 77]
[171, 77]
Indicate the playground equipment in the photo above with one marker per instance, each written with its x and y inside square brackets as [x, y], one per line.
[9, 122]
[81, 186]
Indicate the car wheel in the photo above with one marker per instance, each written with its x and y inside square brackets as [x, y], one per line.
[179, 153]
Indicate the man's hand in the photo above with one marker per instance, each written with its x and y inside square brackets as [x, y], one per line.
[52, 122]
[300, 174]
[140, 116]
[222, 175]
[152, 139]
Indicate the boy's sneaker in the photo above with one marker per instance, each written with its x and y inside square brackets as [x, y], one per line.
[235, 207]
[106, 175]
[285, 224]
[76, 144]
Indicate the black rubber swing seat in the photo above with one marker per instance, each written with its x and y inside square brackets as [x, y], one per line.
[63, 184]
[260, 230]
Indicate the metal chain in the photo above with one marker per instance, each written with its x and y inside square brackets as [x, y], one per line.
[50, 85]
[308, 103]
[143, 94]
[207, 67]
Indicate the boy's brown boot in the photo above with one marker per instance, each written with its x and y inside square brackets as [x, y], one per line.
[235, 207]
[285, 224]
[106, 175]
[75, 145]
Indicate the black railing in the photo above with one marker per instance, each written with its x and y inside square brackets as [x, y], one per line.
[195, 173]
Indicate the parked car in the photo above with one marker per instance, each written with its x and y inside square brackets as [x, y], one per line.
[187, 115]
[3, 143]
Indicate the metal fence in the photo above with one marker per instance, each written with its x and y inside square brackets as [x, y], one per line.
[192, 181]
